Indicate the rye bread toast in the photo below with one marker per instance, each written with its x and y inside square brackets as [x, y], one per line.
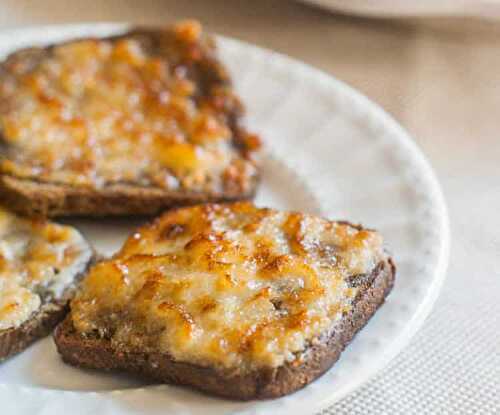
[233, 300]
[40, 266]
[39, 325]
[130, 124]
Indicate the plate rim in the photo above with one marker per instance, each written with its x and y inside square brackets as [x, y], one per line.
[439, 273]
[401, 9]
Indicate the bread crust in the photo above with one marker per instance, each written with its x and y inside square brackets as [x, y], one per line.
[260, 384]
[33, 198]
[41, 324]
[36, 198]
[15, 340]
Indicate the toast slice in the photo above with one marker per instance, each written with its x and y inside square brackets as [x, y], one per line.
[40, 264]
[231, 299]
[130, 124]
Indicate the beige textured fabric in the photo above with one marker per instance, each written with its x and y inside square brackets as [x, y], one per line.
[441, 80]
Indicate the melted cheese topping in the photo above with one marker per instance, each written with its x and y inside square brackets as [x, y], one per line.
[38, 261]
[231, 286]
[100, 112]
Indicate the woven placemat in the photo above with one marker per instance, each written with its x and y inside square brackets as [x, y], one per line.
[453, 364]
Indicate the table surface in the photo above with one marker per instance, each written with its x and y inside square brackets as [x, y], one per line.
[441, 80]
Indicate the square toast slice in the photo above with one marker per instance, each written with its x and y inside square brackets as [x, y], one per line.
[130, 124]
[231, 299]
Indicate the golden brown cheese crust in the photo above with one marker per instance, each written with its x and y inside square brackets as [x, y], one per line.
[38, 261]
[146, 108]
[230, 286]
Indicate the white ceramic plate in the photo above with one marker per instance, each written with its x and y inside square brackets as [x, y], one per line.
[329, 151]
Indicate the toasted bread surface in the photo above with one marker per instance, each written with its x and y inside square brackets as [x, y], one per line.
[149, 116]
[40, 264]
[261, 299]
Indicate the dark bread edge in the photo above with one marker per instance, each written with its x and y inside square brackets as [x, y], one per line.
[261, 384]
[41, 324]
[15, 340]
[33, 198]
[36, 198]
